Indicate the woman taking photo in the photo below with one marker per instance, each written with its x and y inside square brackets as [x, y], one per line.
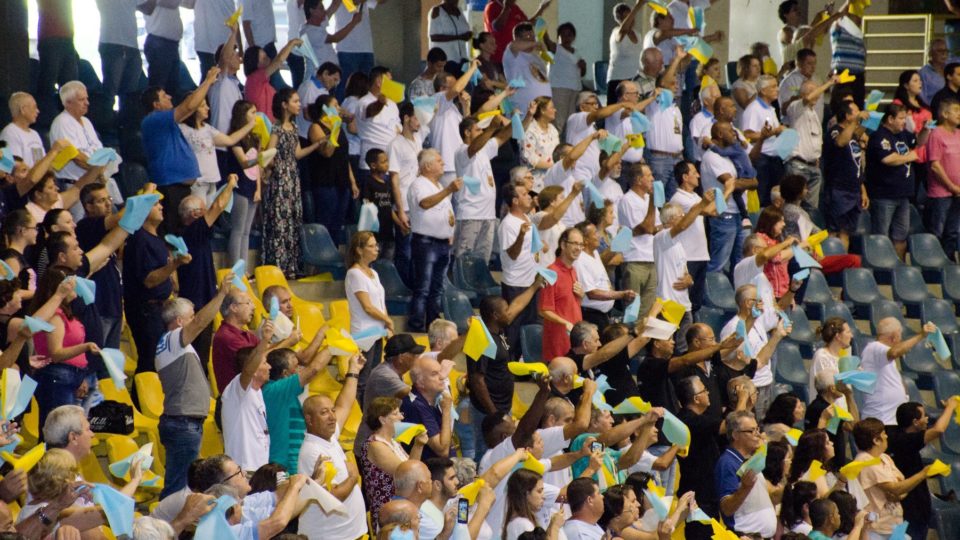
[366, 299]
[524, 499]
[332, 184]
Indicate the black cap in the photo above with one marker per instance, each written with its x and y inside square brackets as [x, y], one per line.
[402, 343]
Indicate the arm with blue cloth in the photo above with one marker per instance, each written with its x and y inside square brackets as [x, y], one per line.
[904, 346]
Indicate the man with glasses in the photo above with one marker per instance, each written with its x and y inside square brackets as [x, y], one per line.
[745, 504]
[701, 337]
[620, 124]
[931, 74]
[580, 126]
[99, 220]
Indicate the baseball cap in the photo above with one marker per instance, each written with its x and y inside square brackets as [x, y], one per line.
[402, 343]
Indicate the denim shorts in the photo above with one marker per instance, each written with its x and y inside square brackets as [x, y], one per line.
[890, 217]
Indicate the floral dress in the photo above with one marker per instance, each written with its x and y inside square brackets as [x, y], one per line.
[282, 208]
[377, 483]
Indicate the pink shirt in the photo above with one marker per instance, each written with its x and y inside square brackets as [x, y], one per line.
[944, 147]
[73, 334]
[559, 298]
[776, 269]
[259, 92]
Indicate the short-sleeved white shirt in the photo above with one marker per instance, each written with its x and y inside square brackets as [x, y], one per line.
[755, 116]
[315, 520]
[631, 211]
[550, 237]
[81, 135]
[565, 73]
[619, 125]
[310, 89]
[118, 22]
[402, 154]
[202, 144]
[593, 277]
[694, 238]
[245, 436]
[356, 281]
[522, 271]
[577, 130]
[360, 39]
[209, 32]
[889, 394]
[435, 222]
[25, 144]
[700, 126]
[666, 128]
[611, 191]
[558, 176]
[481, 205]
[317, 35]
[165, 22]
[757, 338]
[581, 530]
[445, 130]
[747, 272]
[671, 259]
[379, 131]
[259, 13]
[712, 167]
[223, 95]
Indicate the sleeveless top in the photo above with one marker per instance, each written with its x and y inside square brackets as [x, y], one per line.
[450, 25]
[624, 57]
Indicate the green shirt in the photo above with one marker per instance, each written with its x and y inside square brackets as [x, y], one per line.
[284, 420]
[611, 456]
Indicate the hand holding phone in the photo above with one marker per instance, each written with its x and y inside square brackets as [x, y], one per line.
[463, 511]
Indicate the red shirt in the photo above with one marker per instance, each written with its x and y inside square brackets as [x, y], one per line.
[259, 92]
[776, 269]
[559, 298]
[505, 34]
[226, 342]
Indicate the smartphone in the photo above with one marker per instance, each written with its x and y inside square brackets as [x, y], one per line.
[282, 477]
[872, 517]
[463, 511]
[596, 446]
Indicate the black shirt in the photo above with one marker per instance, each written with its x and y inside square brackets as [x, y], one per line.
[839, 440]
[724, 373]
[886, 181]
[703, 451]
[655, 385]
[143, 254]
[89, 316]
[90, 232]
[380, 193]
[905, 449]
[717, 398]
[841, 164]
[498, 378]
[198, 280]
[617, 370]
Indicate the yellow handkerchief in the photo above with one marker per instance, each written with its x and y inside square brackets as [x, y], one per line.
[852, 470]
[938, 468]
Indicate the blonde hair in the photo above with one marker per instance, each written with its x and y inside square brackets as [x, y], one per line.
[53, 475]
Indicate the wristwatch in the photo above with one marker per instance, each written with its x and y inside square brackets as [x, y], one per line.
[44, 519]
[354, 375]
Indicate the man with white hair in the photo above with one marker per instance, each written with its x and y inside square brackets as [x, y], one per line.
[432, 224]
[148, 528]
[620, 125]
[761, 126]
[805, 114]
[880, 357]
[665, 136]
[701, 122]
[21, 140]
[430, 404]
[830, 393]
[580, 126]
[186, 391]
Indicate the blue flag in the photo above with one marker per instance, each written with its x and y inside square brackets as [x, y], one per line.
[178, 243]
[621, 242]
[659, 196]
[804, 260]
[472, 183]
[37, 325]
[239, 272]
[536, 243]
[136, 210]
[102, 156]
[118, 508]
[632, 311]
[517, 124]
[214, 523]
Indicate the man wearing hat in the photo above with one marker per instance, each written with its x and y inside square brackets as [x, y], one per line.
[386, 380]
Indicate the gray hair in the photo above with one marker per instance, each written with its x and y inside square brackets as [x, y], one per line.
[220, 489]
[189, 204]
[741, 295]
[775, 194]
[563, 368]
[173, 308]
[425, 157]
[751, 242]
[765, 81]
[709, 92]
[583, 96]
[465, 469]
[517, 173]
[888, 325]
[734, 420]
[581, 332]
[228, 302]
[669, 213]
[823, 380]
[17, 101]
[60, 423]
[148, 528]
[438, 331]
[69, 91]
[732, 384]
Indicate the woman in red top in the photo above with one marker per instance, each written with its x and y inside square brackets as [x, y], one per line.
[560, 302]
[258, 68]
[908, 94]
[769, 228]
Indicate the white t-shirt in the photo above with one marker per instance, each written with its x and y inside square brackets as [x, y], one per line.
[619, 125]
[747, 272]
[755, 116]
[550, 237]
[558, 176]
[201, 142]
[666, 46]
[757, 514]
[712, 167]
[666, 128]
[431, 520]
[823, 359]
[437, 221]
[118, 22]
[445, 131]
[577, 130]
[883, 402]
[520, 66]
[81, 135]
[351, 104]
[757, 339]
[680, 11]
[25, 144]
[209, 32]
[313, 520]
[165, 22]
[522, 271]
[379, 131]
[446, 24]
[482, 205]
[694, 238]
[296, 18]
[310, 89]
[564, 72]
[357, 281]
[402, 154]
[360, 39]
[259, 13]
[318, 41]
[700, 126]
[671, 262]
[624, 56]
[223, 95]
[593, 277]
[631, 211]
[581, 530]
[611, 191]
[245, 436]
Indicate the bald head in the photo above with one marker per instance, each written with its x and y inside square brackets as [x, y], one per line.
[401, 512]
[652, 61]
[412, 481]
[562, 371]
[426, 377]
[319, 414]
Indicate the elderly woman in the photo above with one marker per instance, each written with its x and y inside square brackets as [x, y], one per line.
[52, 485]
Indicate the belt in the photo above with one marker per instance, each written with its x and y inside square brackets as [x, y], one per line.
[200, 419]
[667, 154]
[433, 238]
[813, 163]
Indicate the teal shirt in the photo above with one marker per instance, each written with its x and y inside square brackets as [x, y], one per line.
[284, 420]
[610, 458]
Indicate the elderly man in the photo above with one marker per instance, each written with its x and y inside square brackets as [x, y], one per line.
[233, 335]
[637, 212]
[651, 65]
[321, 444]
[733, 490]
[401, 512]
[308, 345]
[761, 126]
[429, 387]
[414, 483]
[880, 357]
[20, 139]
[599, 295]
[580, 126]
[619, 123]
[432, 221]
[806, 68]
[186, 401]
[931, 74]
[701, 122]
[805, 115]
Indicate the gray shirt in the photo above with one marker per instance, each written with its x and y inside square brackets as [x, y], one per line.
[384, 381]
[186, 391]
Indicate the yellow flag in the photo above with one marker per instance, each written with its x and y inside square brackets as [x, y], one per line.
[659, 490]
[636, 140]
[329, 472]
[672, 311]
[527, 368]
[65, 156]
[938, 468]
[707, 81]
[770, 66]
[815, 471]
[26, 461]
[846, 77]
[393, 90]
[407, 432]
[533, 464]
[471, 490]
[476, 341]
[753, 201]
[351, 7]
[842, 413]
[489, 114]
[814, 241]
[852, 470]
[659, 7]
[233, 19]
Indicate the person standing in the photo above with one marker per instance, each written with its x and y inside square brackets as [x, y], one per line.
[378, 118]
[58, 57]
[805, 115]
[951, 88]
[626, 47]
[366, 300]
[500, 17]
[942, 209]
[560, 302]
[880, 357]
[637, 212]
[844, 189]
[566, 73]
[761, 126]
[890, 177]
[209, 30]
[849, 52]
[355, 51]
[599, 294]
[162, 46]
[932, 73]
[449, 30]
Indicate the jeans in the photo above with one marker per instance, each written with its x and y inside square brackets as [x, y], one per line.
[58, 65]
[241, 221]
[374, 357]
[330, 205]
[814, 177]
[431, 257]
[662, 168]
[402, 258]
[942, 219]
[147, 327]
[479, 443]
[890, 217]
[57, 385]
[698, 271]
[181, 436]
[122, 68]
[464, 431]
[769, 173]
[163, 64]
[351, 63]
[112, 328]
[726, 242]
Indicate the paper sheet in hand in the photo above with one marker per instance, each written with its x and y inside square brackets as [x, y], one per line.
[114, 360]
[312, 491]
[621, 242]
[536, 243]
[657, 329]
[17, 393]
[804, 260]
[632, 311]
[305, 50]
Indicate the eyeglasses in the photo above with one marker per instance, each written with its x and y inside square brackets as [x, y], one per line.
[577, 244]
[754, 431]
[227, 479]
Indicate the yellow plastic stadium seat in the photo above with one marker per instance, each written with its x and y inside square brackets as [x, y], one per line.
[268, 276]
[324, 384]
[212, 379]
[349, 433]
[92, 472]
[339, 315]
[121, 446]
[150, 393]
[30, 430]
[258, 312]
[126, 341]
[422, 340]
[519, 407]
[212, 442]
[310, 316]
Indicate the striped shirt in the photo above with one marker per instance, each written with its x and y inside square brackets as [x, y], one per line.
[849, 50]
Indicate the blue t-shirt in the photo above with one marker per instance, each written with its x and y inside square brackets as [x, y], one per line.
[90, 232]
[144, 254]
[419, 411]
[885, 181]
[727, 481]
[198, 280]
[170, 160]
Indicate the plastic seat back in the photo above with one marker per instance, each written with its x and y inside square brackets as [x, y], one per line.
[790, 368]
[859, 286]
[477, 273]
[713, 317]
[719, 293]
[881, 309]
[390, 279]
[320, 251]
[833, 246]
[941, 313]
[531, 342]
[150, 393]
[801, 331]
[951, 283]
[878, 254]
[926, 252]
[457, 308]
[839, 309]
[908, 285]
[818, 290]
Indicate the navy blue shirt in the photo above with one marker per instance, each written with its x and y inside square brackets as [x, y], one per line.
[419, 411]
[841, 164]
[245, 186]
[89, 316]
[726, 480]
[144, 254]
[885, 181]
[198, 280]
[170, 160]
[90, 232]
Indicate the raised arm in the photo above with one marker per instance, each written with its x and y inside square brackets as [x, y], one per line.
[554, 216]
[581, 416]
[627, 24]
[193, 101]
[521, 301]
[205, 316]
[348, 393]
[220, 203]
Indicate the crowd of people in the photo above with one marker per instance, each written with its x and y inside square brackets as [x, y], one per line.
[604, 211]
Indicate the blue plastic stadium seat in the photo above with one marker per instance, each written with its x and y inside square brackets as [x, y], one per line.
[927, 253]
[718, 293]
[951, 283]
[833, 246]
[941, 313]
[398, 295]
[320, 251]
[713, 317]
[878, 254]
[801, 332]
[882, 308]
[531, 342]
[860, 288]
[457, 308]
[910, 289]
[790, 369]
[817, 295]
